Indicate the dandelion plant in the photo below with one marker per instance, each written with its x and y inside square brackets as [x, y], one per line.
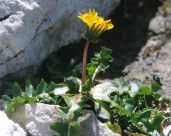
[96, 25]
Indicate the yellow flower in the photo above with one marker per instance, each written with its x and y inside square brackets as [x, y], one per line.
[95, 23]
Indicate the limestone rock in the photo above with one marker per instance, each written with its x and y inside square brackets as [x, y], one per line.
[31, 29]
[157, 24]
[8, 127]
[153, 61]
[38, 118]
[167, 130]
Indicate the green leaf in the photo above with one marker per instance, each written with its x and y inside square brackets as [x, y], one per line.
[156, 122]
[16, 90]
[134, 88]
[88, 85]
[41, 88]
[103, 111]
[29, 90]
[61, 128]
[114, 127]
[66, 129]
[118, 100]
[122, 86]
[73, 84]
[5, 98]
[157, 97]
[78, 116]
[68, 99]
[53, 85]
[145, 90]
[98, 64]
[19, 100]
[102, 91]
[155, 86]
[150, 120]
[10, 107]
[74, 128]
[13, 103]
[129, 107]
[144, 114]
[129, 104]
[63, 112]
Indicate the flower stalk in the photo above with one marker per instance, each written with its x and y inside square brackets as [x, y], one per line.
[84, 62]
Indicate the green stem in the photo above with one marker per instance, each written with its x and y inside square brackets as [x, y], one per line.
[84, 63]
[145, 101]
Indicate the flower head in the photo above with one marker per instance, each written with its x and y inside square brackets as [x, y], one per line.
[96, 24]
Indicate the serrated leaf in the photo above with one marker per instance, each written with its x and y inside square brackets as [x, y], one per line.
[41, 88]
[29, 90]
[16, 90]
[97, 64]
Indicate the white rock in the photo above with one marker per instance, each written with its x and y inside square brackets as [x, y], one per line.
[167, 130]
[38, 118]
[92, 127]
[31, 29]
[8, 127]
[157, 25]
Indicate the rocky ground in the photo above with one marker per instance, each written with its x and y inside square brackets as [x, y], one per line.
[154, 59]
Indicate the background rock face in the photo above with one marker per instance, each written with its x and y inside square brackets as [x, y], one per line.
[31, 29]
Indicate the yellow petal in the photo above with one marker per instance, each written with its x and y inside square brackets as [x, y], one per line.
[93, 21]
